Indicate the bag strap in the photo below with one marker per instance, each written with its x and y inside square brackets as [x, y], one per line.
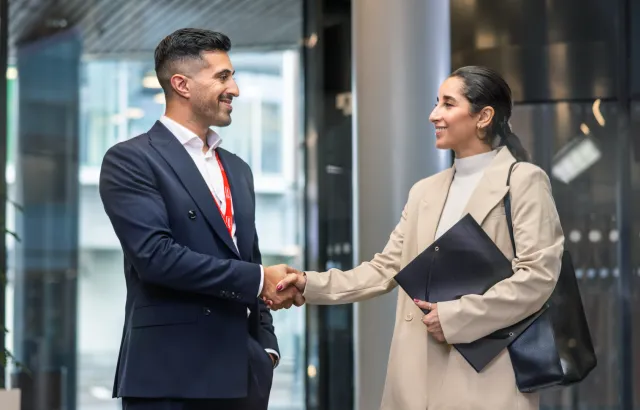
[507, 210]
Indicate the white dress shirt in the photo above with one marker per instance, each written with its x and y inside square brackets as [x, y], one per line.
[469, 171]
[207, 164]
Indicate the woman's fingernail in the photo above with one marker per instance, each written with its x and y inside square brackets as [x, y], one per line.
[416, 300]
[279, 287]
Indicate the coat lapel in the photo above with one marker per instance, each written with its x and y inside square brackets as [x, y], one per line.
[179, 160]
[241, 198]
[488, 193]
[430, 208]
[492, 187]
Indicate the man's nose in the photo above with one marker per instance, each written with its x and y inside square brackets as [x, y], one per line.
[233, 89]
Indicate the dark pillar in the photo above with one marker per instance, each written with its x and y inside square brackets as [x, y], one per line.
[623, 203]
[328, 141]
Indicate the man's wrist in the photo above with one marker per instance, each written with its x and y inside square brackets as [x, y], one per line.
[261, 280]
[275, 357]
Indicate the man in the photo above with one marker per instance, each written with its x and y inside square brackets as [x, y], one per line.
[196, 334]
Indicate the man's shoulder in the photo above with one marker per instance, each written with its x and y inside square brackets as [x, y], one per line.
[134, 143]
[234, 160]
[131, 150]
[129, 153]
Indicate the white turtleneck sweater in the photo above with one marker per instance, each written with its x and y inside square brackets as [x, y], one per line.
[468, 172]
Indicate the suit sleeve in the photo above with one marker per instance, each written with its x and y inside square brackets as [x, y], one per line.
[266, 336]
[539, 244]
[266, 333]
[137, 212]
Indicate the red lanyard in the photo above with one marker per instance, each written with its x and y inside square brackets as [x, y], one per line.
[227, 216]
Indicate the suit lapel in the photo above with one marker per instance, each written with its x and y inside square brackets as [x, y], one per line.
[241, 198]
[430, 208]
[179, 160]
[492, 187]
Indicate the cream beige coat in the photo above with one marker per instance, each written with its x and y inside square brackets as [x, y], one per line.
[422, 373]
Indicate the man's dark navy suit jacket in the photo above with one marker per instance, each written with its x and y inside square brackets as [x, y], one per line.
[188, 288]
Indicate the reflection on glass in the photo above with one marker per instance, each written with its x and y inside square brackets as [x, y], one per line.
[576, 142]
[575, 158]
[119, 99]
[635, 245]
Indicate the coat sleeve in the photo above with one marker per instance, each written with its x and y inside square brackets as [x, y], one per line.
[539, 243]
[367, 280]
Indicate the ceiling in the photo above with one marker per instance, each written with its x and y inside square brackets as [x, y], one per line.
[119, 27]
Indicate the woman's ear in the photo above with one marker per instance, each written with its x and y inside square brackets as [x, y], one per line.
[485, 116]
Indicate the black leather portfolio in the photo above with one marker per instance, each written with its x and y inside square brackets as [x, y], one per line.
[463, 261]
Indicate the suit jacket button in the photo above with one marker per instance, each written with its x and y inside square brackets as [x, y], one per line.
[192, 214]
[408, 317]
[206, 311]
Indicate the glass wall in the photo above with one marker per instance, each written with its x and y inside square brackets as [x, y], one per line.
[635, 234]
[329, 197]
[572, 66]
[66, 290]
[582, 163]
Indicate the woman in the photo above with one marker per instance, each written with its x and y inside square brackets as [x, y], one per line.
[471, 118]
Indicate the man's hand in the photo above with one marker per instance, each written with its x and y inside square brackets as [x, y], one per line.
[279, 299]
[293, 281]
[431, 320]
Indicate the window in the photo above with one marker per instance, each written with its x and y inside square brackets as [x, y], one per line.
[271, 138]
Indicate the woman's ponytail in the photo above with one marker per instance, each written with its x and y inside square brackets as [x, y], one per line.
[484, 87]
[512, 142]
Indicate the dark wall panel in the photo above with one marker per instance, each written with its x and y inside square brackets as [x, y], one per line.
[635, 55]
[547, 50]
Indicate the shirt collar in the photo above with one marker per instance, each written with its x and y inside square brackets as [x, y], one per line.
[475, 163]
[188, 137]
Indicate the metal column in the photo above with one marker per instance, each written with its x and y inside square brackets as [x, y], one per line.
[401, 54]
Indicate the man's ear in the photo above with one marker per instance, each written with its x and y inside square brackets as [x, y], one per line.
[180, 85]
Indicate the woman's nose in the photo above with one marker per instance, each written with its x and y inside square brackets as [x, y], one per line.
[433, 117]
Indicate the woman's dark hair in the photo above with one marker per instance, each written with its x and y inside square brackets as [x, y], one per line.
[484, 87]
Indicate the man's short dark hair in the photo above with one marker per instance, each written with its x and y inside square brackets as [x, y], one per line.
[183, 45]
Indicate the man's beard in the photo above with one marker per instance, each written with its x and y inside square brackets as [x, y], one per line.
[211, 113]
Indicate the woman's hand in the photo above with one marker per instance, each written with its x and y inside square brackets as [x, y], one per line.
[295, 279]
[432, 320]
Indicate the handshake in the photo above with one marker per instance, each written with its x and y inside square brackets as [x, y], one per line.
[283, 286]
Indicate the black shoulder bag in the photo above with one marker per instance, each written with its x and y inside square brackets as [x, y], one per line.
[556, 350]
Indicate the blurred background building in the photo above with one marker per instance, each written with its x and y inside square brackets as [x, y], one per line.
[333, 119]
